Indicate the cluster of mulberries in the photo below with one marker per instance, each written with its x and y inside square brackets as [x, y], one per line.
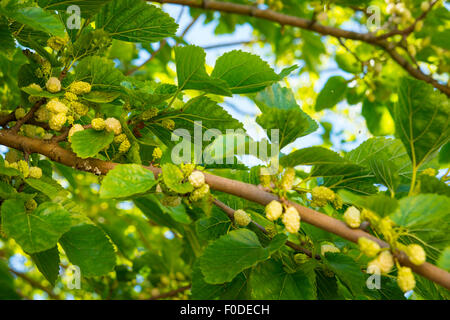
[321, 196]
[197, 180]
[24, 169]
[290, 218]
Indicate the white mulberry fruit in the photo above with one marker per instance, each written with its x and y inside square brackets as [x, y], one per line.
[53, 85]
[291, 220]
[57, 121]
[241, 218]
[416, 254]
[405, 279]
[369, 247]
[197, 179]
[56, 106]
[352, 217]
[35, 172]
[98, 124]
[80, 87]
[75, 128]
[113, 125]
[273, 210]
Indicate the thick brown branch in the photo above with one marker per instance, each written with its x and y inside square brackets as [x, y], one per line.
[36, 284]
[311, 25]
[240, 189]
[28, 116]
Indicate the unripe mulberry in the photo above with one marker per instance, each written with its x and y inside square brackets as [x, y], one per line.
[321, 196]
[157, 153]
[328, 247]
[75, 128]
[274, 210]
[241, 218]
[300, 258]
[352, 217]
[149, 113]
[30, 204]
[35, 86]
[199, 193]
[53, 85]
[125, 146]
[113, 125]
[187, 168]
[288, 178]
[20, 113]
[70, 96]
[291, 220]
[42, 114]
[79, 108]
[80, 87]
[405, 279]
[171, 201]
[22, 166]
[56, 43]
[265, 180]
[56, 106]
[416, 254]
[383, 263]
[168, 124]
[120, 138]
[369, 247]
[197, 179]
[98, 124]
[424, 6]
[57, 121]
[35, 172]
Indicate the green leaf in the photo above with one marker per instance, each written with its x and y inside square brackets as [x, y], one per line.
[48, 263]
[348, 63]
[332, 92]
[444, 155]
[427, 216]
[270, 281]
[432, 185]
[378, 118]
[244, 72]
[326, 163]
[47, 186]
[6, 38]
[7, 291]
[444, 259]
[226, 257]
[135, 21]
[211, 115]
[88, 247]
[87, 7]
[40, 93]
[209, 228]
[385, 172]
[382, 149]
[126, 180]
[100, 72]
[88, 143]
[191, 72]
[280, 111]
[38, 19]
[347, 270]
[101, 96]
[421, 119]
[173, 178]
[38, 230]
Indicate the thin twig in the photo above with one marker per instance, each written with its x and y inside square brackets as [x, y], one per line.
[170, 293]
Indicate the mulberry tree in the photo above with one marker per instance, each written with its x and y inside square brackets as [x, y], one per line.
[102, 98]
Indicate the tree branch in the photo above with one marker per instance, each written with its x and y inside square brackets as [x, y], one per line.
[311, 25]
[171, 293]
[241, 189]
[36, 284]
[230, 213]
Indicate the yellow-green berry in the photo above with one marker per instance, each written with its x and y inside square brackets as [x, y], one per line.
[120, 138]
[405, 279]
[113, 125]
[149, 113]
[98, 124]
[56, 43]
[22, 166]
[168, 124]
[30, 204]
[369, 247]
[416, 254]
[241, 218]
[288, 178]
[80, 87]
[197, 179]
[429, 172]
[124, 146]
[157, 153]
[70, 96]
[53, 85]
[273, 210]
[35, 172]
[20, 113]
[56, 106]
[171, 201]
[57, 121]
[199, 193]
[321, 196]
[291, 220]
[352, 217]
